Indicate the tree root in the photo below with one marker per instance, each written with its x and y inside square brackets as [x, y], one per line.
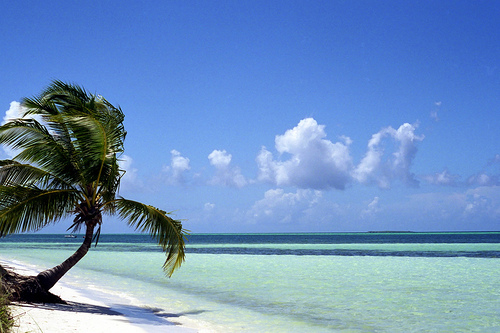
[22, 288]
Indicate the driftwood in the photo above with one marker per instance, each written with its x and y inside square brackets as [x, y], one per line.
[22, 288]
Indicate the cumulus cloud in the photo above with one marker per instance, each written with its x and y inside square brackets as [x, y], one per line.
[373, 169]
[220, 158]
[15, 111]
[225, 174]
[177, 168]
[129, 179]
[284, 207]
[442, 178]
[489, 176]
[372, 208]
[313, 162]
[483, 202]
[18, 111]
[482, 179]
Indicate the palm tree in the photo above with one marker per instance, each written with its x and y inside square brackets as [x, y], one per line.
[68, 145]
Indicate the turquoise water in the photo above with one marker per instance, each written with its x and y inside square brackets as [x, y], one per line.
[250, 283]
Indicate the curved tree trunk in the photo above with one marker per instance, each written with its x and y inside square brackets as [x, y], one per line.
[49, 277]
[36, 288]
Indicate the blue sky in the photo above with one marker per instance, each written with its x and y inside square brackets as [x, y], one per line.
[283, 116]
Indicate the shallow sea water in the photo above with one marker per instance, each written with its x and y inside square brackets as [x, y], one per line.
[401, 287]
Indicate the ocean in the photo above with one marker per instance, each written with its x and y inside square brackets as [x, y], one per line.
[311, 282]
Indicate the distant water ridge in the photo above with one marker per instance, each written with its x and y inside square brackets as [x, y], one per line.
[284, 238]
[302, 282]
[413, 244]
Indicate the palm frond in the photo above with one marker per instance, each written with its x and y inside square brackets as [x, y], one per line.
[93, 142]
[25, 209]
[68, 164]
[55, 123]
[37, 106]
[110, 181]
[13, 173]
[65, 95]
[165, 230]
[87, 127]
[38, 146]
[20, 133]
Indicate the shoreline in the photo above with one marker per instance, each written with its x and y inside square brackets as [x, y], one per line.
[87, 312]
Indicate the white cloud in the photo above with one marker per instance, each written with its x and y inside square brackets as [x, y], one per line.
[372, 208]
[220, 158]
[225, 175]
[313, 161]
[129, 179]
[489, 176]
[470, 209]
[442, 178]
[372, 169]
[15, 111]
[483, 202]
[208, 206]
[434, 113]
[279, 206]
[178, 166]
[482, 179]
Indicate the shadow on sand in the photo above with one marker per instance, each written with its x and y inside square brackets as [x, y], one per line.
[136, 314]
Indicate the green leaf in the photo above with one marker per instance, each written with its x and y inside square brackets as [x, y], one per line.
[69, 143]
[165, 230]
[30, 209]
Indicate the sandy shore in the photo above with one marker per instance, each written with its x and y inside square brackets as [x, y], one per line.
[83, 314]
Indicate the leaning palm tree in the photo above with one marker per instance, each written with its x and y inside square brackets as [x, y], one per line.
[68, 145]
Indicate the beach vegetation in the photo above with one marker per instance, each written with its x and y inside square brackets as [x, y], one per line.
[67, 147]
[6, 320]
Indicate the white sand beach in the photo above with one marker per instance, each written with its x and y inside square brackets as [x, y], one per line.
[83, 314]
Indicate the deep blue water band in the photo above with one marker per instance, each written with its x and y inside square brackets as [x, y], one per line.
[260, 244]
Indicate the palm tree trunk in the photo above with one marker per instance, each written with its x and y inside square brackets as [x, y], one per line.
[49, 277]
